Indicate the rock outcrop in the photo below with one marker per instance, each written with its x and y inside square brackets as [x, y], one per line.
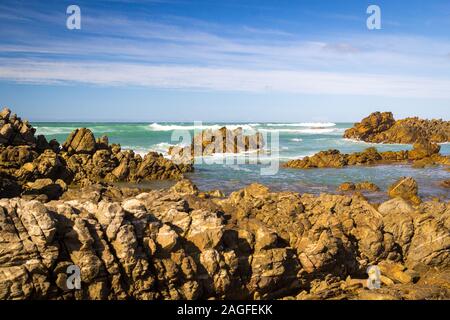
[383, 128]
[254, 244]
[32, 166]
[223, 140]
[422, 154]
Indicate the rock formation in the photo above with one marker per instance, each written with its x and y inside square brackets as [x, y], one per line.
[421, 155]
[405, 188]
[222, 140]
[360, 186]
[33, 167]
[383, 128]
[254, 244]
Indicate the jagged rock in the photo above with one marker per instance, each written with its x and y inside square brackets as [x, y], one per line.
[15, 131]
[405, 188]
[80, 141]
[156, 246]
[382, 128]
[82, 161]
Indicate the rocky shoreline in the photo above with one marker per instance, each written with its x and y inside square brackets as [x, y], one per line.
[60, 208]
[177, 244]
[32, 167]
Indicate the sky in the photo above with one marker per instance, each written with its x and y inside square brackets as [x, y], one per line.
[230, 60]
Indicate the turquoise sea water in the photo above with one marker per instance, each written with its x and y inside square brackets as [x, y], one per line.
[295, 140]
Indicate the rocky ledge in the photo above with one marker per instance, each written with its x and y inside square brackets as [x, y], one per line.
[383, 128]
[254, 244]
[33, 167]
[223, 140]
[422, 154]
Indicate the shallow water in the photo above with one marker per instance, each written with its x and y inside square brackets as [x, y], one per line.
[295, 140]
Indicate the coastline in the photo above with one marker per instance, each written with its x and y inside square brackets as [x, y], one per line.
[138, 229]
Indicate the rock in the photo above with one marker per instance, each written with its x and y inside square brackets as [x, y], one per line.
[166, 238]
[361, 186]
[80, 141]
[155, 245]
[52, 190]
[223, 140]
[82, 161]
[206, 230]
[185, 187]
[395, 272]
[14, 131]
[405, 188]
[5, 113]
[422, 150]
[382, 128]
[445, 183]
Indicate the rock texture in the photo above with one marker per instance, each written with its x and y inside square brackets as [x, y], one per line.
[383, 128]
[33, 167]
[254, 244]
[422, 154]
[222, 140]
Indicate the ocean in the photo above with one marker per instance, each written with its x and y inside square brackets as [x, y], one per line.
[296, 140]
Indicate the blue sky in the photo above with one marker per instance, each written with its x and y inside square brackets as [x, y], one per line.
[179, 60]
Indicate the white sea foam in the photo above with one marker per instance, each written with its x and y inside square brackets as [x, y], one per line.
[306, 131]
[304, 124]
[54, 130]
[169, 127]
[296, 140]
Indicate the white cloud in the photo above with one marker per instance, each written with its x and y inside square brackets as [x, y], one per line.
[226, 79]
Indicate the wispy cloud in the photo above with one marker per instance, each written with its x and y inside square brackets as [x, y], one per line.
[225, 79]
[179, 52]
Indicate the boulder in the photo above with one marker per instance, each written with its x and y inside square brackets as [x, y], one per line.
[80, 141]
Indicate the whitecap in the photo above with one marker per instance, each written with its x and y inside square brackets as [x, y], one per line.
[53, 130]
[306, 131]
[304, 124]
[170, 127]
[296, 140]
